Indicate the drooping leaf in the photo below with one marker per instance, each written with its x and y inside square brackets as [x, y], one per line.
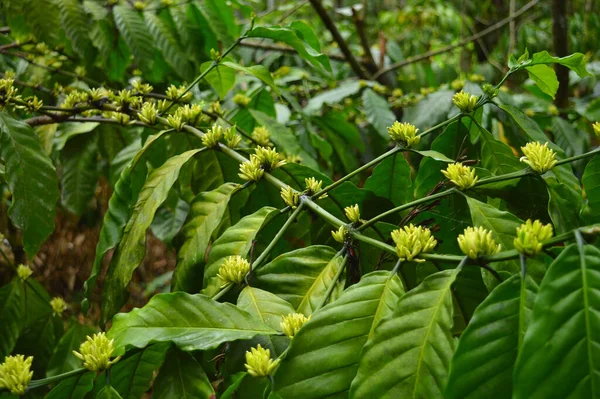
[108, 392]
[333, 96]
[563, 206]
[391, 179]
[220, 18]
[496, 156]
[132, 247]
[133, 29]
[378, 112]
[575, 62]
[290, 37]
[10, 316]
[409, 353]
[236, 240]
[205, 215]
[75, 23]
[559, 356]
[323, 357]
[75, 387]
[79, 173]
[431, 110]
[32, 180]
[221, 78]
[258, 71]
[265, 306]
[192, 322]
[545, 78]
[491, 341]
[182, 377]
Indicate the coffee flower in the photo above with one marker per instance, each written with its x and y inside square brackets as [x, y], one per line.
[464, 101]
[596, 127]
[268, 158]
[24, 271]
[251, 170]
[241, 100]
[460, 175]
[261, 136]
[404, 132]
[538, 156]
[58, 305]
[353, 213]
[476, 242]
[290, 196]
[15, 374]
[212, 137]
[259, 362]
[148, 113]
[530, 236]
[292, 323]
[413, 240]
[341, 234]
[232, 139]
[233, 270]
[96, 352]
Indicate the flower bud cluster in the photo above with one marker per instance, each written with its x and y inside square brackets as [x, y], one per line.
[476, 242]
[411, 241]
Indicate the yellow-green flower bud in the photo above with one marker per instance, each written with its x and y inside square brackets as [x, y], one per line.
[293, 158]
[176, 122]
[233, 270]
[268, 158]
[460, 175]
[190, 113]
[457, 84]
[80, 71]
[379, 89]
[241, 100]
[97, 94]
[96, 352]
[530, 236]
[353, 213]
[341, 234]
[178, 94]
[261, 136]
[163, 105]
[404, 132]
[476, 242]
[475, 77]
[538, 156]
[259, 362]
[141, 88]
[58, 305]
[148, 113]
[362, 84]
[290, 196]
[282, 71]
[292, 323]
[251, 170]
[212, 136]
[139, 5]
[215, 55]
[413, 240]
[529, 112]
[312, 185]
[121, 118]
[464, 101]
[232, 139]
[24, 271]
[553, 110]
[489, 90]
[15, 374]
[596, 127]
[215, 108]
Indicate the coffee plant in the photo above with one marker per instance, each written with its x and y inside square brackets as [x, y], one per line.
[343, 227]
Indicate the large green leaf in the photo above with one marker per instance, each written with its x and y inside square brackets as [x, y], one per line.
[32, 180]
[63, 359]
[76, 25]
[290, 37]
[575, 62]
[410, 351]
[236, 240]
[221, 78]
[79, 173]
[220, 18]
[299, 276]
[10, 316]
[491, 342]
[265, 306]
[182, 377]
[323, 357]
[132, 27]
[192, 322]
[391, 179]
[559, 357]
[544, 77]
[333, 96]
[591, 183]
[378, 112]
[132, 248]
[75, 387]
[496, 156]
[431, 110]
[563, 206]
[205, 215]
[108, 392]
[259, 71]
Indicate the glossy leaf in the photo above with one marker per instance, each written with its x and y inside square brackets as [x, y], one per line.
[75, 23]
[221, 78]
[266, 307]
[559, 356]
[258, 71]
[182, 377]
[378, 112]
[10, 315]
[496, 156]
[591, 183]
[491, 341]
[331, 97]
[169, 45]
[409, 353]
[323, 357]
[108, 392]
[63, 359]
[192, 322]
[136, 34]
[391, 179]
[544, 77]
[32, 180]
[575, 62]
[79, 173]
[132, 247]
[75, 387]
[431, 110]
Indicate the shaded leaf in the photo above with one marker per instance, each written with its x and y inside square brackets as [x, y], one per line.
[182, 377]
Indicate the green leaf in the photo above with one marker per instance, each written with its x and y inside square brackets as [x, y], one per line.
[290, 37]
[559, 356]
[221, 78]
[10, 315]
[378, 112]
[182, 377]
[258, 71]
[284, 138]
[306, 33]
[496, 156]
[132, 248]
[39, 338]
[298, 276]
[265, 306]
[206, 213]
[436, 156]
[108, 392]
[75, 22]
[575, 62]
[169, 46]
[63, 359]
[79, 173]
[70, 130]
[545, 78]
[32, 180]
[563, 206]
[132, 27]
[591, 183]
[431, 110]
[391, 179]
[323, 357]
[192, 322]
[333, 96]
[219, 16]
[236, 240]
[491, 341]
[568, 137]
[43, 20]
[75, 387]
[409, 354]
